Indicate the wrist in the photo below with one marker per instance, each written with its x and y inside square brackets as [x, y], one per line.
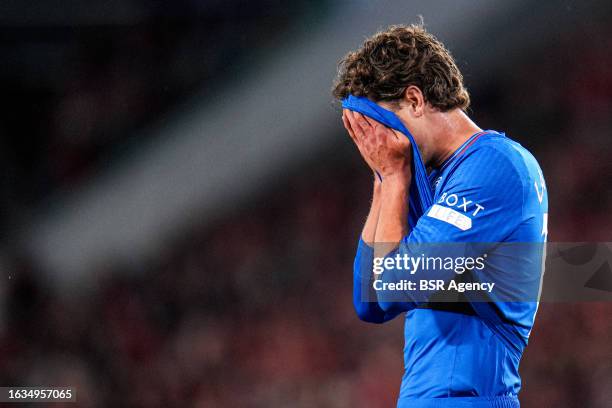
[377, 180]
[394, 188]
[392, 221]
[400, 178]
[376, 191]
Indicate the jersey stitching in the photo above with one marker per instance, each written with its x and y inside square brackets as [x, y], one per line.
[452, 372]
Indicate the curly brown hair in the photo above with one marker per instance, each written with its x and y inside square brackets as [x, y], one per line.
[390, 61]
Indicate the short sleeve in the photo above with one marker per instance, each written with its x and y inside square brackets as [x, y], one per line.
[480, 201]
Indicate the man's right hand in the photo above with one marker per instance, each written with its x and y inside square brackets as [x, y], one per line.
[358, 143]
[385, 150]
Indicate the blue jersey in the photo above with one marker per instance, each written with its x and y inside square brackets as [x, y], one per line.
[491, 190]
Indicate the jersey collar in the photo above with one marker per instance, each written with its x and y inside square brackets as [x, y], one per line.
[472, 139]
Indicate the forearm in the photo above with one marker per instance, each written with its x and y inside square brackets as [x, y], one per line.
[388, 152]
[368, 235]
[364, 298]
[392, 223]
[391, 228]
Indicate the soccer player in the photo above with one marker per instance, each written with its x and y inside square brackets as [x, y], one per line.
[486, 189]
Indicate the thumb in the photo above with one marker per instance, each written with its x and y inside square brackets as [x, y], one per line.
[401, 140]
[400, 136]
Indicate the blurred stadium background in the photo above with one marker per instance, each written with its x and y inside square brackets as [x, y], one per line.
[180, 204]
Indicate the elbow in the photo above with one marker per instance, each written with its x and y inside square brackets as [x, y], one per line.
[387, 307]
[391, 307]
[366, 314]
[394, 307]
[391, 301]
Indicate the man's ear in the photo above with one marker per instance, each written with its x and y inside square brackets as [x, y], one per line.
[414, 100]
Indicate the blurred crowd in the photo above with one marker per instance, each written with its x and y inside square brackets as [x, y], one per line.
[255, 310]
[79, 95]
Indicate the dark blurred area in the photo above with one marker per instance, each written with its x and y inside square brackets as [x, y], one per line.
[232, 313]
[76, 94]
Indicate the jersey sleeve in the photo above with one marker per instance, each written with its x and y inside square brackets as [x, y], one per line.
[365, 301]
[481, 201]
[478, 204]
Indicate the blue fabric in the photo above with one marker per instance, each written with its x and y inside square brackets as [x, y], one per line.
[421, 193]
[497, 188]
[460, 402]
[364, 296]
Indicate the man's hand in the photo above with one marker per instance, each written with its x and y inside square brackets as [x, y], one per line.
[389, 153]
[385, 150]
[349, 129]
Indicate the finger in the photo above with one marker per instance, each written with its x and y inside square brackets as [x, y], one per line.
[373, 123]
[398, 135]
[401, 143]
[383, 134]
[401, 137]
[346, 117]
[347, 126]
[361, 120]
[359, 133]
[368, 133]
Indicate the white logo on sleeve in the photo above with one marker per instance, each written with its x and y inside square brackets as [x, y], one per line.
[467, 206]
[450, 216]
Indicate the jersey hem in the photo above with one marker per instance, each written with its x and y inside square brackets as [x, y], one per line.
[460, 402]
